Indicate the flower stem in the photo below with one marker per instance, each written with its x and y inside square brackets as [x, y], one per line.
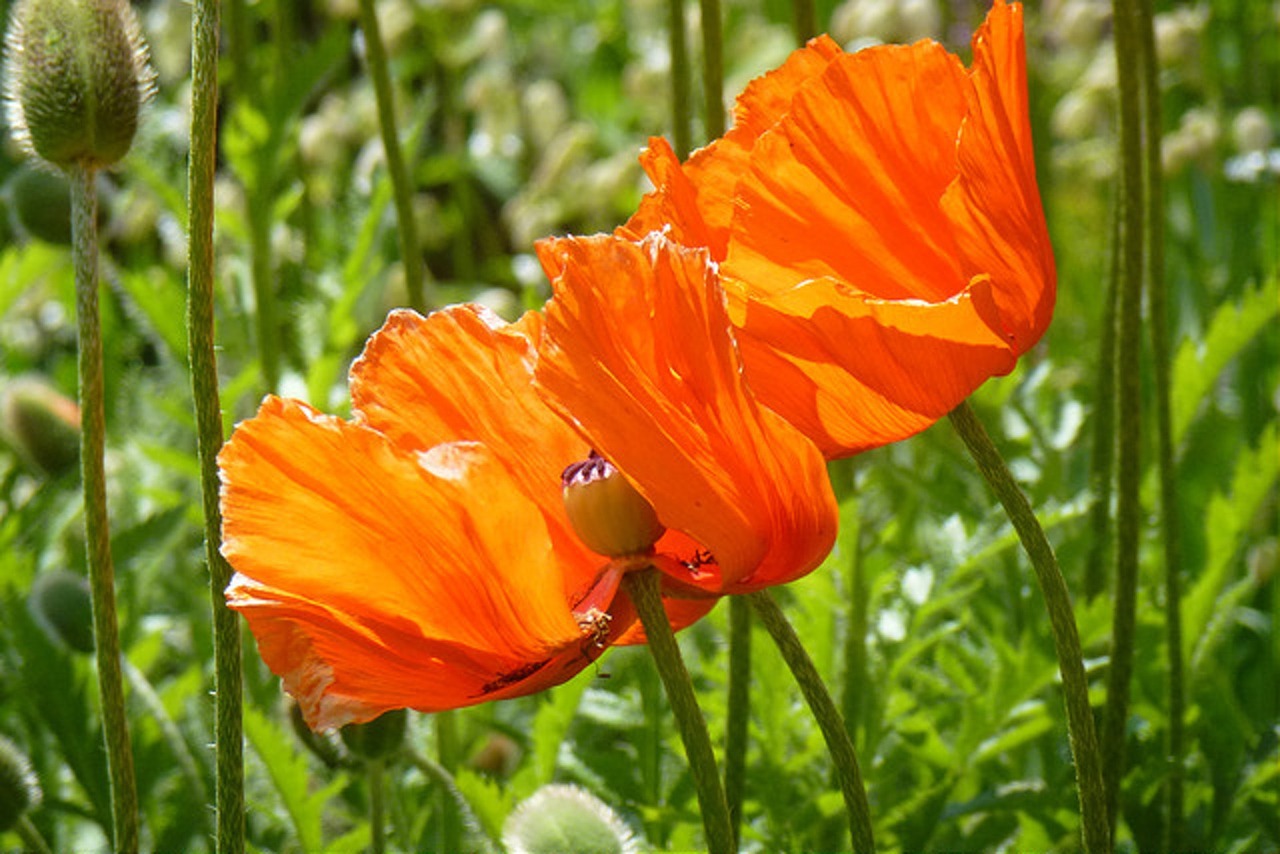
[446, 726]
[228, 722]
[1169, 528]
[1102, 460]
[643, 588]
[839, 744]
[378, 843]
[739, 702]
[804, 19]
[681, 131]
[713, 68]
[1128, 464]
[32, 840]
[106, 635]
[1066, 637]
[415, 269]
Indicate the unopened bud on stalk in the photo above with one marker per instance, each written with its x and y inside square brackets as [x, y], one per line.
[560, 817]
[19, 791]
[41, 424]
[60, 603]
[76, 77]
[379, 738]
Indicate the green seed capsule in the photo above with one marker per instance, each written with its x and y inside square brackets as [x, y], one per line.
[19, 790]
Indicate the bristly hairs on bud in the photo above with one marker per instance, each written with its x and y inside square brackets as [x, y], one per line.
[76, 75]
[19, 790]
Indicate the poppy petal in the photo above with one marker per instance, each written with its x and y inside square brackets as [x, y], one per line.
[418, 552]
[638, 351]
[696, 200]
[464, 374]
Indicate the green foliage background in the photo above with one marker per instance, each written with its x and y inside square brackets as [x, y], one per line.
[524, 119]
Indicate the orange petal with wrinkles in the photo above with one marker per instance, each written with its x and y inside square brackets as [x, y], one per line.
[377, 577]
[638, 352]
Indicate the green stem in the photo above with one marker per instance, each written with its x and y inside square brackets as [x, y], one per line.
[415, 269]
[1102, 461]
[643, 588]
[1128, 47]
[32, 840]
[379, 840]
[854, 690]
[713, 67]
[804, 19]
[435, 772]
[106, 634]
[828, 717]
[1066, 637]
[446, 727]
[739, 701]
[228, 722]
[681, 132]
[1169, 510]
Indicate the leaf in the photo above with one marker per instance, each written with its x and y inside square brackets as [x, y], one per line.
[287, 768]
[155, 299]
[1199, 363]
[1227, 521]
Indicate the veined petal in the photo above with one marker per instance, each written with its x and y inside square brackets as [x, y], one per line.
[464, 374]
[860, 372]
[436, 557]
[638, 351]
[696, 200]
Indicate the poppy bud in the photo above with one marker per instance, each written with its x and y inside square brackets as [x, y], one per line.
[19, 790]
[566, 818]
[60, 603]
[76, 76]
[41, 424]
[379, 738]
[608, 514]
[40, 200]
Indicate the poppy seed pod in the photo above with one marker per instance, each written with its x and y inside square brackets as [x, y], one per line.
[76, 77]
[19, 790]
[41, 424]
[608, 514]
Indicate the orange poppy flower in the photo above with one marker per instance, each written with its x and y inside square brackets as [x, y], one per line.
[879, 229]
[420, 555]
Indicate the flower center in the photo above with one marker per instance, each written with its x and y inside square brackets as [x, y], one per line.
[608, 514]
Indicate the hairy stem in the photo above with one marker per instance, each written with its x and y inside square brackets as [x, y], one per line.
[97, 531]
[834, 731]
[681, 118]
[228, 717]
[1066, 637]
[643, 588]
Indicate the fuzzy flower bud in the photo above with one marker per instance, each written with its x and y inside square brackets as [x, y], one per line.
[19, 790]
[41, 424]
[60, 603]
[76, 77]
[566, 818]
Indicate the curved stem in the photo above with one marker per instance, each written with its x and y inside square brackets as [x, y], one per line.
[106, 634]
[228, 722]
[739, 702]
[643, 588]
[713, 68]
[379, 839]
[1128, 464]
[415, 269]
[437, 773]
[32, 840]
[446, 727]
[839, 744]
[1066, 637]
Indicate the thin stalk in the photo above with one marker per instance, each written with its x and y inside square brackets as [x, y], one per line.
[1096, 830]
[1169, 510]
[804, 19]
[713, 67]
[379, 840]
[227, 685]
[854, 689]
[1102, 462]
[435, 772]
[446, 726]
[1128, 45]
[643, 588]
[97, 530]
[415, 269]
[681, 118]
[32, 840]
[737, 717]
[828, 717]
